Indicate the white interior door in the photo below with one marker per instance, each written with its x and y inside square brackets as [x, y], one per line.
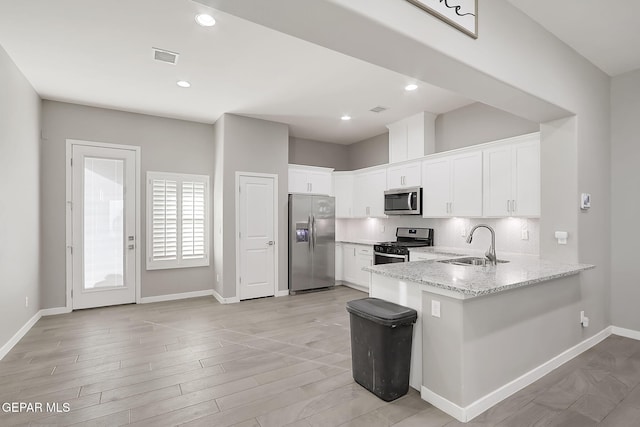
[257, 247]
[104, 224]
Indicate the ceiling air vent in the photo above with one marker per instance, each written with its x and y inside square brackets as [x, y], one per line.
[378, 109]
[165, 56]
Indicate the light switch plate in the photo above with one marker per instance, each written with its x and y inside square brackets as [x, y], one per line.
[435, 308]
[585, 201]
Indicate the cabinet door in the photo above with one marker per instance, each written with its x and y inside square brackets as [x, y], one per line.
[395, 177]
[377, 184]
[343, 190]
[339, 261]
[497, 181]
[526, 179]
[319, 182]
[349, 264]
[435, 188]
[298, 181]
[364, 259]
[415, 136]
[466, 185]
[360, 196]
[413, 175]
[397, 141]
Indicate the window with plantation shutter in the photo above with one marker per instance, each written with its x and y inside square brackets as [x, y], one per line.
[177, 220]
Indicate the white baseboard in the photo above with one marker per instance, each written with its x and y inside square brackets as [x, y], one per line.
[282, 293]
[6, 348]
[54, 311]
[464, 414]
[223, 300]
[627, 333]
[173, 297]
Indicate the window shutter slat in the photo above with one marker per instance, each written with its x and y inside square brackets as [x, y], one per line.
[164, 218]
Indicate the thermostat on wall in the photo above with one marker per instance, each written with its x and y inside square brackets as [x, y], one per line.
[585, 201]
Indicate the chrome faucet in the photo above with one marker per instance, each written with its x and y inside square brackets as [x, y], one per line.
[491, 253]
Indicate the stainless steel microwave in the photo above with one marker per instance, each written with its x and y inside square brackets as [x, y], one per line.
[403, 201]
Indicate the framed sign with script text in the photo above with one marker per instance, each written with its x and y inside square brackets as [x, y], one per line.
[461, 14]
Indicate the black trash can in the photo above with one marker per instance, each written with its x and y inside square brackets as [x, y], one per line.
[381, 346]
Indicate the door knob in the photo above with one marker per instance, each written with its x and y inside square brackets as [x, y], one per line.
[271, 243]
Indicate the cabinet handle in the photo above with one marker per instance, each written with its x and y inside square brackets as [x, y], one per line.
[450, 207]
[311, 186]
[508, 206]
[514, 207]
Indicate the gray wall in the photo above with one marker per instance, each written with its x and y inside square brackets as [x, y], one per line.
[250, 145]
[369, 152]
[478, 123]
[20, 110]
[625, 158]
[317, 153]
[167, 145]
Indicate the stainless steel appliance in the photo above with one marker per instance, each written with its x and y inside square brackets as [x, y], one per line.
[398, 251]
[403, 201]
[311, 242]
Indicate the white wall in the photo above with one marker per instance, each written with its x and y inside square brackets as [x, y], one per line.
[167, 145]
[20, 110]
[625, 158]
[317, 153]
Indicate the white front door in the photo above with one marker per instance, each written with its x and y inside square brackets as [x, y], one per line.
[103, 183]
[257, 248]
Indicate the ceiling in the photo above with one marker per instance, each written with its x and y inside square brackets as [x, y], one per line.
[99, 53]
[607, 33]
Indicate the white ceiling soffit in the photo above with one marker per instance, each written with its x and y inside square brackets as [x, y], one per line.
[99, 53]
[607, 33]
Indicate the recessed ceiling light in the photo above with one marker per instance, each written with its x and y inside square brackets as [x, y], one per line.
[183, 83]
[205, 20]
[411, 87]
[345, 117]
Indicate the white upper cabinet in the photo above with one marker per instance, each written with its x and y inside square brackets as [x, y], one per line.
[343, 190]
[511, 178]
[452, 186]
[404, 175]
[369, 188]
[310, 179]
[412, 137]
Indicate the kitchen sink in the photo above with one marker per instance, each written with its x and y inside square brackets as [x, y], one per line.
[470, 261]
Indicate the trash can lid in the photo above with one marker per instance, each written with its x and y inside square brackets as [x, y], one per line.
[382, 312]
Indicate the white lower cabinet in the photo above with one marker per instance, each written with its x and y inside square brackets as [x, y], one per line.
[354, 258]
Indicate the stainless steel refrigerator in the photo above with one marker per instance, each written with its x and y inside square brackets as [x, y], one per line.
[312, 238]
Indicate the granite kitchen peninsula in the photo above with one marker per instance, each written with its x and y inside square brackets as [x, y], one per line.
[484, 332]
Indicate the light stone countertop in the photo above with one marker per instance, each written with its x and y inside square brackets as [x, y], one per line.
[358, 242]
[473, 281]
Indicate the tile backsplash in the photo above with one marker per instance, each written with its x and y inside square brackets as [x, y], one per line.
[448, 232]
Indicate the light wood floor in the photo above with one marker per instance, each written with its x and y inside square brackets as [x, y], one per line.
[267, 362]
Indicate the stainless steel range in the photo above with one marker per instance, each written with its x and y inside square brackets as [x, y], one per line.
[398, 251]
